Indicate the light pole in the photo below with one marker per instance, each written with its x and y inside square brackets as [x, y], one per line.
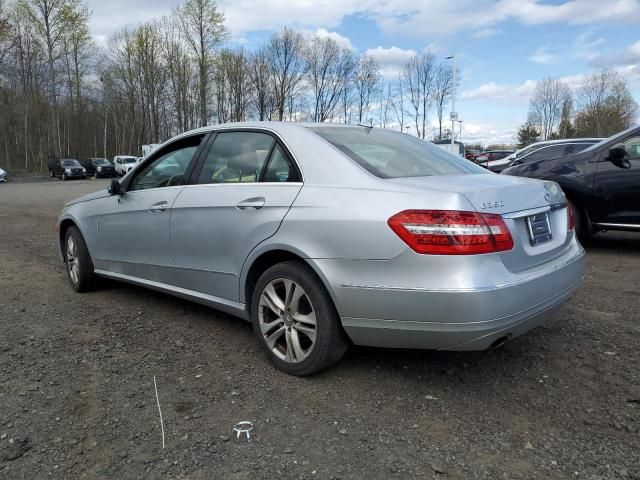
[454, 115]
[460, 124]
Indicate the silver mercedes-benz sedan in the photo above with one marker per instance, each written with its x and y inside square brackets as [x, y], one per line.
[323, 234]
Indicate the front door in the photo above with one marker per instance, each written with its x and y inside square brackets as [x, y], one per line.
[245, 187]
[133, 228]
[619, 188]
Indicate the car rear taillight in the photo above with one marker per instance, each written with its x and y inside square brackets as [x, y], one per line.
[571, 221]
[449, 232]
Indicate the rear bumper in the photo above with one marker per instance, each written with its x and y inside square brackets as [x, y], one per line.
[470, 318]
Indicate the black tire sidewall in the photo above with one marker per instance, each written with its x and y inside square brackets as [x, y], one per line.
[331, 341]
[86, 276]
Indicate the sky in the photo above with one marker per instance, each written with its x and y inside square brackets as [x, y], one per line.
[502, 47]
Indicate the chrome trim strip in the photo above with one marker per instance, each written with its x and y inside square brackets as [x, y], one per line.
[463, 290]
[628, 226]
[228, 306]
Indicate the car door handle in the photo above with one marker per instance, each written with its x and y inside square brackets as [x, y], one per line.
[158, 207]
[255, 203]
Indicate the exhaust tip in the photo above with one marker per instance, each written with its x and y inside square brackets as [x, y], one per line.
[499, 342]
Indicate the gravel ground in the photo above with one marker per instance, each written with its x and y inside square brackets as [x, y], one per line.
[77, 395]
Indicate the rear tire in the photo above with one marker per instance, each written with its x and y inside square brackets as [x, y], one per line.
[582, 224]
[78, 262]
[295, 320]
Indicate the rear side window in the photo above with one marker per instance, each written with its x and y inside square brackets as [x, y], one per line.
[388, 154]
[545, 152]
[236, 157]
[280, 168]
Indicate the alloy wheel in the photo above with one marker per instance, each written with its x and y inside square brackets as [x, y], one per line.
[287, 320]
[73, 264]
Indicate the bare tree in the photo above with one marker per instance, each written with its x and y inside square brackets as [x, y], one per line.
[399, 101]
[232, 82]
[605, 105]
[204, 30]
[286, 56]
[51, 20]
[442, 89]
[261, 79]
[330, 69]
[367, 78]
[545, 106]
[419, 76]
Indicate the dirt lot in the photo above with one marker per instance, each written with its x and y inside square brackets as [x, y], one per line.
[77, 397]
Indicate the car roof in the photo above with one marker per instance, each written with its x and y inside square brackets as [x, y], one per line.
[564, 140]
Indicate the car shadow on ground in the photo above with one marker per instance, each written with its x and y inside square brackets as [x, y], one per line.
[621, 242]
[438, 366]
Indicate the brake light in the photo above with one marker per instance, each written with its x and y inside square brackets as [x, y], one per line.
[571, 221]
[449, 232]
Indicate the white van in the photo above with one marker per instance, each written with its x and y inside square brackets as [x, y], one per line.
[124, 163]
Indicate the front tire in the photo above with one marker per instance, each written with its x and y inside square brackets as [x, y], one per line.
[295, 321]
[63, 177]
[78, 262]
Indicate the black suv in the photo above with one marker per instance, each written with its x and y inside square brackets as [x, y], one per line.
[66, 168]
[100, 167]
[602, 182]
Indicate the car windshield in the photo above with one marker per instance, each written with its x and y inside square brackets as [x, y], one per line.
[389, 154]
[70, 163]
[529, 149]
[100, 161]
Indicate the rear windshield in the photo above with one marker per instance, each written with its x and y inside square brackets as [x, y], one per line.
[389, 154]
[130, 160]
[100, 161]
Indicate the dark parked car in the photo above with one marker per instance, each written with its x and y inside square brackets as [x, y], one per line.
[470, 154]
[602, 182]
[66, 168]
[99, 167]
[555, 150]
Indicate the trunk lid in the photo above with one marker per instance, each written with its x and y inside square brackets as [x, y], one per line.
[524, 204]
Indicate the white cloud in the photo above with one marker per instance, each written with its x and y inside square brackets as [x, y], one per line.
[543, 57]
[390, 60]
[486, 32]
[626, 57]
[501, 92]
[341, 40]
[404, 17]
[425, 18]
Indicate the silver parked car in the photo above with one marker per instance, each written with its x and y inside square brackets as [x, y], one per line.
[323, 234]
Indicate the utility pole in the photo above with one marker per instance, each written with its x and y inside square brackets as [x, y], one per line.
[460, 136]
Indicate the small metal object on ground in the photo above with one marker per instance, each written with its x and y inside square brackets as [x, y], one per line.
[243, 428]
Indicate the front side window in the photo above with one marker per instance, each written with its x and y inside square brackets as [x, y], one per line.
[168, 166]
[632, 146]
[389, 154]
[236, 157]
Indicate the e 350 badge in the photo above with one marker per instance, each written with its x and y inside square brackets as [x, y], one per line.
[497, 204]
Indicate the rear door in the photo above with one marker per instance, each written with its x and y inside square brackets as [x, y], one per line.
[240, 192]
[618, 189]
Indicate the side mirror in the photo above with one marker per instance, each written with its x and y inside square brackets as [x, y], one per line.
[617, 156]
[115, 188]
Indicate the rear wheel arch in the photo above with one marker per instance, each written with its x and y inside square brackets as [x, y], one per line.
[270, 258]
